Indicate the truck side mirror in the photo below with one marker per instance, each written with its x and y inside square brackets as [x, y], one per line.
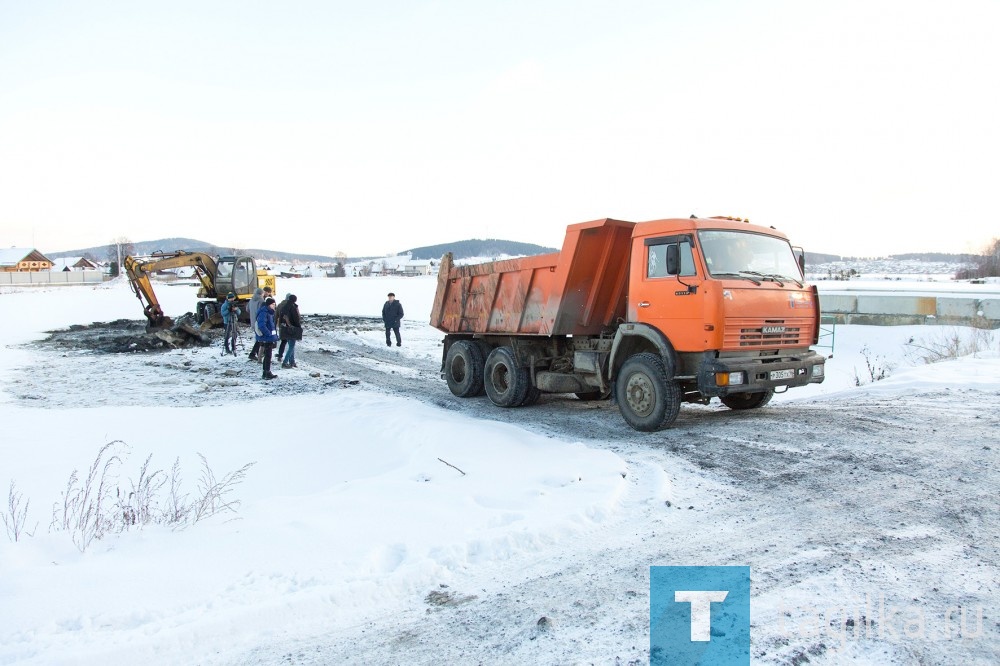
[673, 259]
[800, 254]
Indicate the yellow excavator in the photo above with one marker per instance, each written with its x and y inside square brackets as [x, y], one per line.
[218, 277]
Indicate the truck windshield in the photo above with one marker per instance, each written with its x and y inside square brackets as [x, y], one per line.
[749, 255]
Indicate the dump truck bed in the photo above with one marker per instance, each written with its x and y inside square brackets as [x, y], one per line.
[580, 290]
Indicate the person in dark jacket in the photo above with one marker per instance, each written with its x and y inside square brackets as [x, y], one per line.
[230, 313]
[279, 312]
[290, 330]
[267, 335]
[255, 304]
[392, 316]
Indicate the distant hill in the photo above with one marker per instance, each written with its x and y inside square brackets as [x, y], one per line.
[937, 256]
[461, 249]
[191, 245]
[813, 258]
[489, 247]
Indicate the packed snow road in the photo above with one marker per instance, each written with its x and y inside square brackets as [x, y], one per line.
[869, 519]
[870, 523]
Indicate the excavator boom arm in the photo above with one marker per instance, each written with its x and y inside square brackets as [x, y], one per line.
[139, 270]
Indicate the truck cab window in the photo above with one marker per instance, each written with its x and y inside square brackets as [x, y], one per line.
[733, 252]
[656, 265]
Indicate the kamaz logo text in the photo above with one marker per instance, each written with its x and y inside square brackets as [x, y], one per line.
[774, 329]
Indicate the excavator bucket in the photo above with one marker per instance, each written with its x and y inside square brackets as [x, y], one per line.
[155, 319]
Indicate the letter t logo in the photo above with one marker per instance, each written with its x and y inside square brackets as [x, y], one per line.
[701, 610]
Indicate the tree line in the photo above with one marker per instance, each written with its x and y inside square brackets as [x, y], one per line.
[986, 265]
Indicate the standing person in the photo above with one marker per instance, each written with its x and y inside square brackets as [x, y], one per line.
[230, 313]
[279, 312]
[290, 330]
[255, 304]
[267, 335]
[392, 316]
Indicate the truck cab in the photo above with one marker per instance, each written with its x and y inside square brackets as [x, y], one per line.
[730, 300]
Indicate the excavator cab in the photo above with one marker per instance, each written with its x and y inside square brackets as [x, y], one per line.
[237, 275]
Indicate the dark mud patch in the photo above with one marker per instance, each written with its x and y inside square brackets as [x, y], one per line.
[129, 336]
[122, 336]
[334, 323]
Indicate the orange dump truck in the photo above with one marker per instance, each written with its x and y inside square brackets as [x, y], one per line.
[651, 313]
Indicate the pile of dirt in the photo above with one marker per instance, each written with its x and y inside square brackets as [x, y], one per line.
[128, 336]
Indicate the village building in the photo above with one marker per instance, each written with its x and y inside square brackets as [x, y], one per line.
[401, 265]
[67, 264]
[21, 260]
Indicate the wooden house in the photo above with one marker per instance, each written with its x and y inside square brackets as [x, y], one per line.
[20, 260]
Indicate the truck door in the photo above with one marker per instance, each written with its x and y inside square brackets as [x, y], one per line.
[671, 303]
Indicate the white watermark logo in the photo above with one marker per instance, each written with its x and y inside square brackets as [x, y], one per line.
[701, 610]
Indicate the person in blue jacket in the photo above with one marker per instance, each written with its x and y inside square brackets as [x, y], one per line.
[230, 315]
[267, 334]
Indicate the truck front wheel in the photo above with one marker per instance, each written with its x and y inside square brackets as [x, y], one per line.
[748, 400]
[463, 368]
[647, 398]
[507, 384]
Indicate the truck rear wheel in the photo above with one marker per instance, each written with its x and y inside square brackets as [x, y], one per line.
[463, 369]
[532, 396]
[507, 383]
[748, 400]
[648, 399]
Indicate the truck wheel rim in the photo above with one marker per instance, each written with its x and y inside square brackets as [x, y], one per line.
[458, 369]
[639, 394]
[500, 382]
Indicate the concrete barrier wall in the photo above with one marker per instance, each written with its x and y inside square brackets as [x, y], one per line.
[893, 310]
[28, 278]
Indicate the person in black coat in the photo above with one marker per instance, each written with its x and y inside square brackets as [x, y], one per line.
[392, 315]
[279, 313]
[290, 330]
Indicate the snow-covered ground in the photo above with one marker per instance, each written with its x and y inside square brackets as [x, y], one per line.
[379, 528]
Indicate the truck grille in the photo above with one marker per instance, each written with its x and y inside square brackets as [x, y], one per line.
[767, 333]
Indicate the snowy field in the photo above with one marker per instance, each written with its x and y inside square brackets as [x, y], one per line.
[375, 527]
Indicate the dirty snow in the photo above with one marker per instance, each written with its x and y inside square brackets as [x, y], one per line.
[385, 521]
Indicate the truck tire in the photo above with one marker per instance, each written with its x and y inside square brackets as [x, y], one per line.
[463, 369]
[485, 347]
[507, 383]
[532, 396]
[748, 400]
[648, 399]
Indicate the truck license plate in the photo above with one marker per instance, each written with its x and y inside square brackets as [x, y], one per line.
[782, 374]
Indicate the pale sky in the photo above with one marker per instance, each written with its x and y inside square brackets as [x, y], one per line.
[857, 128]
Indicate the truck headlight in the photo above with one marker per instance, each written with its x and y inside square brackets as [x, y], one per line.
[818, 370]
[728, 378]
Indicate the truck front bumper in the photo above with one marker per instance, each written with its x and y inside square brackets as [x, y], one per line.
[724, 376]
